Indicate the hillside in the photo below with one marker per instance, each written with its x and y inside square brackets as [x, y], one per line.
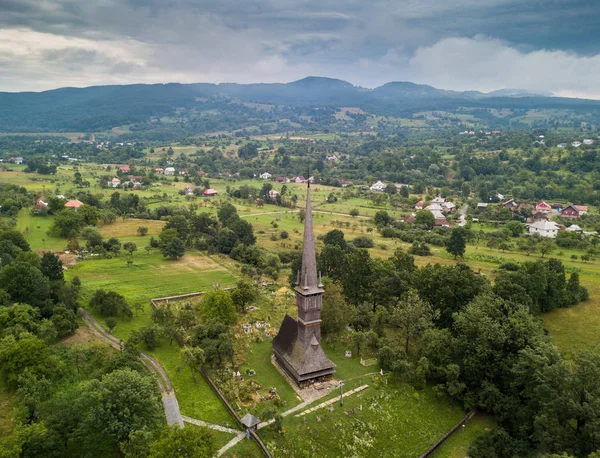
[104, 107]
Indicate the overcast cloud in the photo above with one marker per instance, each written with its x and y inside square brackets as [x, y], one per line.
[473, 44]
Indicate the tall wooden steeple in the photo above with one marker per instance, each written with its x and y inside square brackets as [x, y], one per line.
[297, 346]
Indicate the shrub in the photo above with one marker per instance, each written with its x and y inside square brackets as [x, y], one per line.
[363, 242]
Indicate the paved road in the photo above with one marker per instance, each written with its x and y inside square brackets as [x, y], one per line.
[170, 404]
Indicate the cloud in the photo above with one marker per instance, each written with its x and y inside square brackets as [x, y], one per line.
[471, 44]
[487, 64]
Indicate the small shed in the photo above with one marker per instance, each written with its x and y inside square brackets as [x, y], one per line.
[250, 421]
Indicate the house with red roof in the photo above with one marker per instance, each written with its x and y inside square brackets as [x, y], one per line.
[123, 168]
[543, 207]
[210, 192]
[420, 204]
[41, 202]
[574, 211]
[73, 204]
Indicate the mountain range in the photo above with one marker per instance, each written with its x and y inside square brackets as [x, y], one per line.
[101, 107]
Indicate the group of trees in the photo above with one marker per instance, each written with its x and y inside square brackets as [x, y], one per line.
[481, 343]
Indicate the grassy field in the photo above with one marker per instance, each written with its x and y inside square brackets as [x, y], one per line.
[36, 228]
[152, 276]
[457, 446]
[395, 421]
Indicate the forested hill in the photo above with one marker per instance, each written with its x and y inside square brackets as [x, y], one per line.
[103, 107]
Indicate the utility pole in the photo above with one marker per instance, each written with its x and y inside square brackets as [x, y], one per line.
[341, 394]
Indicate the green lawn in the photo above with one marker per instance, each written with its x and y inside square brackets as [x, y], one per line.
[396, 421]
[457, 446]
[259, 359]
[152, 276]
[35, 229]
[247, 448]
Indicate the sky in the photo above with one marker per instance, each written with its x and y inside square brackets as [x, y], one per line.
[550, 45]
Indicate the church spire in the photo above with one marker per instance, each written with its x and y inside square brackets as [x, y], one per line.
[309, 282]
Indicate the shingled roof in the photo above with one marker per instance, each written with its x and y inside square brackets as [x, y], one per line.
[308, 283]
[302, 362]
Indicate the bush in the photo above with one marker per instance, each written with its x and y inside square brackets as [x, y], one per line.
[363, 242]
[284, 235]
[419, 249]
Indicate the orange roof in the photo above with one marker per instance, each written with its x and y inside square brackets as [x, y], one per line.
[73, 204]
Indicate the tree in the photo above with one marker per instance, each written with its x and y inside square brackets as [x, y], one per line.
[217, 307]
[183, 442]
[92, 235]
[243, 294]
[382, 218]
[67, 223]
[301, 215]
[413, 317]
[335, 237]
[130, 247]
[358, 276]
[354, 212]
[25, 283]
[545, 246]
[457, 243]
[122, 402]
[448, 288]
[528, 246]
[363, 242]
[111, 323]
[425, 219]
[226, 240]
[110, 304]
[336, 313]
[16, 238]
[193, 357]
[52, 267]
[173, 249]
[27, 354]
[514, 228]
[142, 230]
[227, 214]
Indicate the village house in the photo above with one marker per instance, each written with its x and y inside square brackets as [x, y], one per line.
[556, 206]
[159, 170]
[189, 191]
[574, 211]
[281, 180]
[210, 192]
[419, 205]
[273, 194]
[544, 228]
[510, 204]
[344, 183]
[298, 179]
[201, 173]
[41, 203]
[576, 144]
[537, 216]
[170, 171]
[73, 204]
[226, 174]
[115, 182]
[588, 141]
[332, 158]
[265, 176]
[561, 145]
[543, 207]
[378, 186]
[481, 206]
[441, 222]
[16, 160]
[574, 228]
[123, 168]
[183, 172]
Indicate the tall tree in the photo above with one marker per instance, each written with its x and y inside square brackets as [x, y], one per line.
[457, 243]
[413, 317]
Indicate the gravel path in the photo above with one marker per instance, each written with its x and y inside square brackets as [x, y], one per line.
[169, 399]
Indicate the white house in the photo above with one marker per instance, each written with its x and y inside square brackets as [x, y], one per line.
[379, 186]
[576, 144]
[170, 171]
[438, 200]
[544, 228]
[265, 176]
[562, 145]
[115, 182]
[273, 194]
[588, 141]
[574, 228]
